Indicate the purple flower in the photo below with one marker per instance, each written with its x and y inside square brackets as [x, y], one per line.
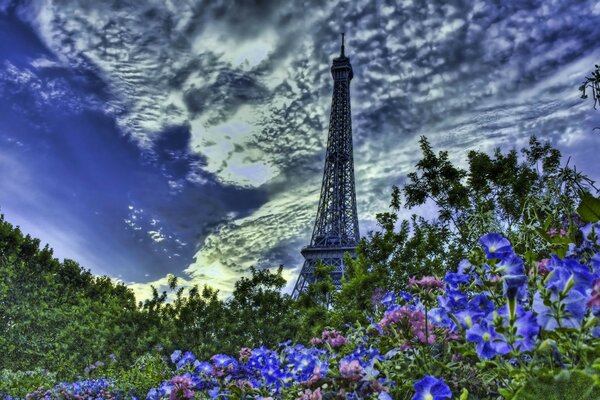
[431, 388]
[596, 263]
[181, 388]
[495, 245]
[594, 300]
[351, 371]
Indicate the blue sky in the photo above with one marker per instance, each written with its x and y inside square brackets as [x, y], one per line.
[147, 138]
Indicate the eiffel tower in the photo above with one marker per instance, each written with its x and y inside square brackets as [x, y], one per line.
[336, 226]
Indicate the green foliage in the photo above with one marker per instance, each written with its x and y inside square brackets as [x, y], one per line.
[566, 385]
[315, 303]
[589, 208]
[19, 383]
[146, 372]
[55, 315]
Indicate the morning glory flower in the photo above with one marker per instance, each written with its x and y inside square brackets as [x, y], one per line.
[573, 313]
[431, 388]
[388, 299]
[439, 316]
[454, 279]
[510, 265]
[514, 286]
[175, 356]
[204, 367]
[527, 327]
[589, 231]
[480, 305]
[453, 300]
[489, 342]
[384, 396]
[464, 266]
[495, 245]
[222, 360]
[188, 358]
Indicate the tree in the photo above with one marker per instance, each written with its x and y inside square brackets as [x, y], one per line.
[502, 193]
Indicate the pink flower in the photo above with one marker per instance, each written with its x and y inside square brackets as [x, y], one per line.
[245, 353]
[315, 377]
[351, 370]
[311, 395]
[181, 388]
[244, 384]
[543, 267]
[333, 338]
[427, 282]
[414, 320]
[315, 341]
[594, 300]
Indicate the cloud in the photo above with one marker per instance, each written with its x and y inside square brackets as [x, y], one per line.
[243, 91]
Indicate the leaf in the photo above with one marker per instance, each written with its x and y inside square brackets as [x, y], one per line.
[564, 386]
[589, 208]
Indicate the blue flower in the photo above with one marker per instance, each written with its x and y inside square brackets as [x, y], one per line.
[407, 297]
[224, 361]
[480, 306]
[188, 358]
[527, 327]
[514, 286]
[453, 300]
[495, 245]
[489, 342]
[389, 299]
[591, 232]
[454, 279]
[510, 265]
[572, 315]
[431, 388]
[175, 356]
[464, 267]
[439, 316]
[384, 396]
[204, 367]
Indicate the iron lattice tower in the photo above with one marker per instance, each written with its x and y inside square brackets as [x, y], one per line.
[336, 226]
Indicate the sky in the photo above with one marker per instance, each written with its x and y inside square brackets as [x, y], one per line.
[150, 138]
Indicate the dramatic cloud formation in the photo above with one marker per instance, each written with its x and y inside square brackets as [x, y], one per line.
[143, 138]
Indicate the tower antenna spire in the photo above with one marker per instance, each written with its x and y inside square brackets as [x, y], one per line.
[342, 50]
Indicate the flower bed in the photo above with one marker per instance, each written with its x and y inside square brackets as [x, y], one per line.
[501, 326]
